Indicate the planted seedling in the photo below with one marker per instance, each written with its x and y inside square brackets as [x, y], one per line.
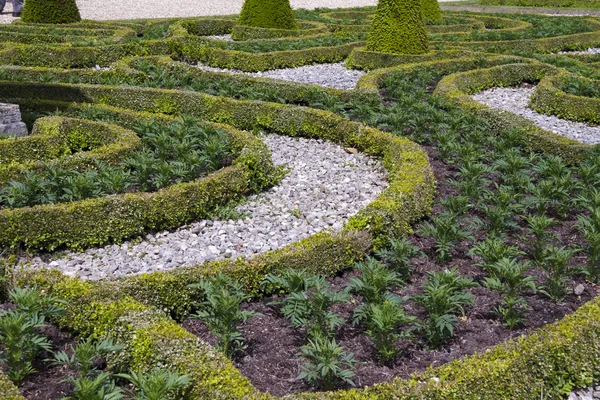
[326, 363]
[157, 384]
[556, 267]
[447, 232]
[398, 254]
[507, 277]
[444, 296]
[222, 312]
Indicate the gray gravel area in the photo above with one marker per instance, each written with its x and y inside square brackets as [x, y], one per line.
[327, 184]
[592, 393]
[329, 75]
[516, 100]
[6, 15]
[593, 50]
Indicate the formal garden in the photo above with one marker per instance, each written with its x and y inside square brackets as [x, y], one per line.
[390, 202]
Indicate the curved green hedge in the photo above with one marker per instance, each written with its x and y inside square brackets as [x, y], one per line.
[398, 28]
[457, 88]
[431, 11]
[50, 12]
[103, 220]
[68, 143]
[593, 4]
[276, 14]
[8, 391]
[243, 32]
[549, 99]
[371, 60]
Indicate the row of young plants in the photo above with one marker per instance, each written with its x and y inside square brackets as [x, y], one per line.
[23, 323]
[170, 153]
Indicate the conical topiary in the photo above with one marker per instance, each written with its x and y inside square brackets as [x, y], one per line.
[50, 12]
[275, 14]
[398, 28]
[431, 10]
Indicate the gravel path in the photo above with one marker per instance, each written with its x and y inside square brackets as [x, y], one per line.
[326, 185]
[592, 393]
[593, 50]
[516, 100]
[330, 75]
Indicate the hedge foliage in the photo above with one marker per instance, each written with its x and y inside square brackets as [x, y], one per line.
[68, 143]
[457, 88]
[8, 391]
[593, 4]
[431, 10]
[549, 99]
[50, 12]
[398, 28]
[243, 32]
[276, 14]
[113, 218]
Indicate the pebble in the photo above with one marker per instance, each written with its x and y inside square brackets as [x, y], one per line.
[325, 187]
[335, 76]
[516, 100]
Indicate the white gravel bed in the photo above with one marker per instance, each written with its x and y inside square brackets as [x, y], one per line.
[516, 100]
[6, 15]
[592, 393]
[226, 38]
[592, 50]
[335, 76]
[325, 187]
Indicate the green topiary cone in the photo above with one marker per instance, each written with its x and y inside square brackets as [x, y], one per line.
[431, 10]
[398, 28]
[50, 12]
[275, 14]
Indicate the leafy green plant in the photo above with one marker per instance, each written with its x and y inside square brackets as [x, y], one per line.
[85, 355]
[374, 282]
[507, 277]
[326, 363]
[291, 280]
[443, 297]
[539, 227]
[22, 343]
[382, 323]
[222, 311]
[19, 330]
[492, 250]
[156, 384]
[589, 226]
[556, 267]
[311, 309]
[447, 232]
[398, 254]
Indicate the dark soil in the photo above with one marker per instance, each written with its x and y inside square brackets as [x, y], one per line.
[270, 360]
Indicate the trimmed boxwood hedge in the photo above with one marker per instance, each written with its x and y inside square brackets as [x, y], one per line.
[398, 28]
[543, 3]
[103, 220]
[457, 88]
[384, 218]
[50, 12]
[370, 60]
[275, 14]
[549, 99]
[68, 143]
[243, 32]
[8, 391]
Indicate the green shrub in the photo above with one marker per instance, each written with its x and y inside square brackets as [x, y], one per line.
[431, 10]
[50, 12]
[398, 28]
[268, 14]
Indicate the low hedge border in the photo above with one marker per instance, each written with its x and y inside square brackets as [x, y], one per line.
[278, 118]
[63, 37]
[8, 391]
[305, 28]
[457, 88]
[60, 141]
[593, 4]
[549, 99]
[103, 220]
[92, 76]
[578, 41]
[288, 92]
[365, 60]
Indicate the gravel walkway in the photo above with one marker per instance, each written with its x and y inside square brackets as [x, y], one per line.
[593, 50]
[592, 393]
[330, 75]
[327, 185]
[516, 100]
